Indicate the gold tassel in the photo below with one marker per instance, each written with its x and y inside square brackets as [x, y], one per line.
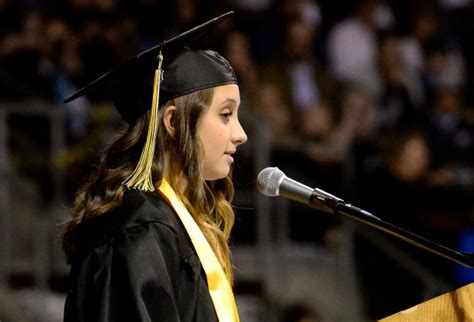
[141, 177]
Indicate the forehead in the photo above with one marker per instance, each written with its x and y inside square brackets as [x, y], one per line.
[226, 93]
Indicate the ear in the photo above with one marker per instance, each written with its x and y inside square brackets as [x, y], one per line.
[168, 119]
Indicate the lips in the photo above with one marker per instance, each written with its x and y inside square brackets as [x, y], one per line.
[229, 154]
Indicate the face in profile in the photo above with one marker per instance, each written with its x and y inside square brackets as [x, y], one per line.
[220, 132]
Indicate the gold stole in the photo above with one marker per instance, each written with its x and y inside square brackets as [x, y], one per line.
[219, 287]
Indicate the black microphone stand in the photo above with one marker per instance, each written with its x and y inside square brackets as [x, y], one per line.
[337, 206]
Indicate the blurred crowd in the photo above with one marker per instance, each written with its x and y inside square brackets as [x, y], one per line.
[368, 99]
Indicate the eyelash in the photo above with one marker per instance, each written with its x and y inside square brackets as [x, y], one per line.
[226, 115]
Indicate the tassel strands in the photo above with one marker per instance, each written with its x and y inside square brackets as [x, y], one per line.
[141, 177]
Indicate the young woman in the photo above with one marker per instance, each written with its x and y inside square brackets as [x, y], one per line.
[160, 252]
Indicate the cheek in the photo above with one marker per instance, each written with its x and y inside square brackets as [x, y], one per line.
[215, 141]
[207, 136]
[216, 138]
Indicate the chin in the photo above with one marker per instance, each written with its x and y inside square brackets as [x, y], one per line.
[217, 174]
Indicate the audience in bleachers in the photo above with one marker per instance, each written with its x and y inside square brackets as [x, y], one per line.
[385, 85]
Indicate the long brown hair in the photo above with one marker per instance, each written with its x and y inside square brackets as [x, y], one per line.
[208, 202]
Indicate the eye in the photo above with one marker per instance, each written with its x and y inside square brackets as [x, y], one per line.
[226, 115]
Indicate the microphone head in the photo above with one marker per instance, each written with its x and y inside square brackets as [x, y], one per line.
[269, 180]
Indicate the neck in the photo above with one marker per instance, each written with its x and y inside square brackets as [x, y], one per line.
[178, 183]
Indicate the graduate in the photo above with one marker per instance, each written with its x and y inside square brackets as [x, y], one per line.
[148, 235]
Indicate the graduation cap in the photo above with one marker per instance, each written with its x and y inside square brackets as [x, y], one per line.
[168, 70]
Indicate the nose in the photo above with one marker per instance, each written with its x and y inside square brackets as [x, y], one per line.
[239, 136]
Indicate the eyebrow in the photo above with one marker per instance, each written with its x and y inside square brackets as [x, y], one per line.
[229, 100]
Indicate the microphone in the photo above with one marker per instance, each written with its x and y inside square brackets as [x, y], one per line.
[272, 182]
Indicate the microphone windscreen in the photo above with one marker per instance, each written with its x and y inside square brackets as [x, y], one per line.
[268, 181]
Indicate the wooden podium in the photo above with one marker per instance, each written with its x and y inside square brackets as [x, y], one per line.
[457, 305]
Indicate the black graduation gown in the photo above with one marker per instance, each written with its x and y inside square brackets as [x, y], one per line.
[137, 264]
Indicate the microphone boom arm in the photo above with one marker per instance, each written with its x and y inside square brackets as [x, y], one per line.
[339, 207]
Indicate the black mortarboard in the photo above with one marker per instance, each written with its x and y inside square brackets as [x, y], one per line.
[130, 85]
[138, 86]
